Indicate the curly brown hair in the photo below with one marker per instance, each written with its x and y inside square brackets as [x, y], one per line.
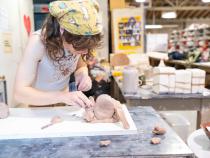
[53, 40]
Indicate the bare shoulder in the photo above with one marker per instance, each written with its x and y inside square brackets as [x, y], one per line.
[35, 48]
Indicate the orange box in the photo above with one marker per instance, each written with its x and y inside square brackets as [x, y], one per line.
[115, 4]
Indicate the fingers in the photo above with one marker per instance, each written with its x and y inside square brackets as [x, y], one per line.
[79, 102]
[77, 98]
[85, 84]
[92, 100]
[85, 100]
[82, 86]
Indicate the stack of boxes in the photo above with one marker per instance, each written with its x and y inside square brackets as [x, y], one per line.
[182, 81]
[169, 80]
[198, 80]
[163, 80]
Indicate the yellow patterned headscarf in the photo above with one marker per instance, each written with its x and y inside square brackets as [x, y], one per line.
[78, 17]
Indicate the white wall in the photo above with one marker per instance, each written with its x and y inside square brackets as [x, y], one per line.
[15, 9]
[103, 52]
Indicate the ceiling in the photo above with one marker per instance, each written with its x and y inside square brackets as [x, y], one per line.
[185, 9]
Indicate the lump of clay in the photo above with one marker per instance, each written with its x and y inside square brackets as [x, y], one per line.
[4, 111]
[159, 130]
[106, 110]
[155, 140]
[105, 143]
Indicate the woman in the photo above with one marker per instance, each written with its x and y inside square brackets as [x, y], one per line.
[67, 38]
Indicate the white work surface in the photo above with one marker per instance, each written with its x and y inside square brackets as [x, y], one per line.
[199, 144]
[27, 123]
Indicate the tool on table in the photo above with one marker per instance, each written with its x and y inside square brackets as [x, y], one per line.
[77, 116]
[54, 120]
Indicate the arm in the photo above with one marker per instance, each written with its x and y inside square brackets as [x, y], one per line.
[26, 73]
[82, 78]
[25, 93]
[81, 64]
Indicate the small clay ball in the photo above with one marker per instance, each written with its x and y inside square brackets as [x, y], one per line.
[105, 143]
[155, 140]
[4, 111]
[104, 107]
[159, 130]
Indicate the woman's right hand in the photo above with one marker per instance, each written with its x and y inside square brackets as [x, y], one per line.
[76, 98]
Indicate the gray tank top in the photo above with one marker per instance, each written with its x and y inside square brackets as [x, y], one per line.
[53, 75]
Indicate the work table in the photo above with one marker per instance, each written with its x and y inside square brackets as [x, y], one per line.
[164, 102]
[137, 145]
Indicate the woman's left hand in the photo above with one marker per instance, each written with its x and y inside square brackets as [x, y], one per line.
[83, 81]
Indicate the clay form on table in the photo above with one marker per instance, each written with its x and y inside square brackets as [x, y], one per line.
[155, 140]
[105, 143]
[106, 110]
[54, 120]
[159, 130]
[4, 111]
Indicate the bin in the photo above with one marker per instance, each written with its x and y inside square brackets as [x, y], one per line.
[179, 123]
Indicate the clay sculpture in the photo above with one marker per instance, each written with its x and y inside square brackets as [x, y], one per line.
[106, 110]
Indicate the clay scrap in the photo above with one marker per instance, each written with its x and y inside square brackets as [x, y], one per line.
[104, 143]
[159, 130]
[54, 120]
[155, 140]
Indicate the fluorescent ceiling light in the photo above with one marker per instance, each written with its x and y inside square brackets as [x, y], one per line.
[140, 1]
[153, 26]
[206, 1]
[168, 15]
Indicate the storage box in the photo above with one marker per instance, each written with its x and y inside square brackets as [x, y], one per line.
[198, 80]
[183, 81]
[163, 80]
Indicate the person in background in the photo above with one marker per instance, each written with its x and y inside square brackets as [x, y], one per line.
[69, 35]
